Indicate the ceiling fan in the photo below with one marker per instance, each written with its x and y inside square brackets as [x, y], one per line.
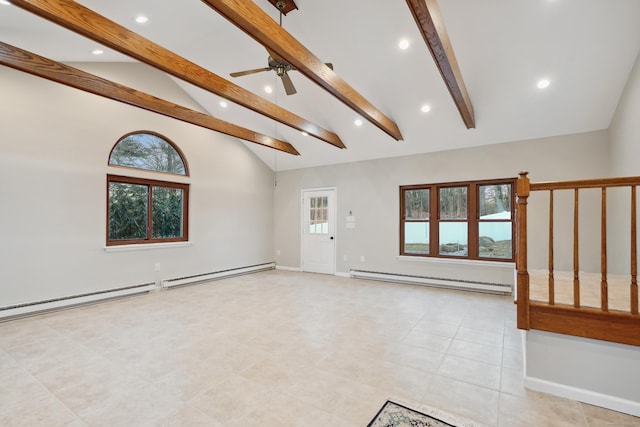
[276, 63]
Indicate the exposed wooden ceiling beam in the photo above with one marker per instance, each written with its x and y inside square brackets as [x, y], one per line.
[427, 16]
[31, 63]
[247, 16]
[75, 17]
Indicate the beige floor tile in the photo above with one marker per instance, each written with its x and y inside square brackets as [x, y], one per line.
[470, 401]
[601, 416]
[480, 337]
[470, 371]
[427, 341]
[540, 409]
[478, 352]
[275, 348]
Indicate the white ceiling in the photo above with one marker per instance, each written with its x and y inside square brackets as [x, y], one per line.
[586, 48]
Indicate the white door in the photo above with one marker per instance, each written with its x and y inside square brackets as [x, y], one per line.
[318, 231]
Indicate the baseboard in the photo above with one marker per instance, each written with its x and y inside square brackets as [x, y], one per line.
[216, 275]
[587, 396]
[62, 303]
[494, 288]
[339, 274]
[285, 268]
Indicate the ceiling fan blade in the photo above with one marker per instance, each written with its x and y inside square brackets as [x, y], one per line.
[244, 73]
[288, 85]
[329, 64]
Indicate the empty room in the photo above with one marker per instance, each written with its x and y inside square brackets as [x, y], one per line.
[310, 213]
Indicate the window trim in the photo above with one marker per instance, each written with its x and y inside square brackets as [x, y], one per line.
[150, 183]
[473, 220]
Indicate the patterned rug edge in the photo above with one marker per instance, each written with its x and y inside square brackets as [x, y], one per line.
[440, 417]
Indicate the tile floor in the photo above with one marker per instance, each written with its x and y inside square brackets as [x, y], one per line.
[275, 349]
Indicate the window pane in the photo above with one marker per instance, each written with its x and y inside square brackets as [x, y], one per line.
[495, 201]
[453, 238]
[127, 211]
[453, 203]
[318, 215]
[166, 212]
[147, 151]
[416, 237]
[495, 240]
[416, 204]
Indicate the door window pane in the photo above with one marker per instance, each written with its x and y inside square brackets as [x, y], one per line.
[495, 240]
[453, 203]
[495, 201]
[167, 209]
[416, 204]
[318, 215]
[416, 237]
[454, 238]
[127, 211]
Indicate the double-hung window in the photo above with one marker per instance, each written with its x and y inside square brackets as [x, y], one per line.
[472, 220]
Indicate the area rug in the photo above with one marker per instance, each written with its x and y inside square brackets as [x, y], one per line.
[395, 415]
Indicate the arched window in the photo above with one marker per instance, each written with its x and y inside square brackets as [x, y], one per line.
[142, 210]
[149, 151]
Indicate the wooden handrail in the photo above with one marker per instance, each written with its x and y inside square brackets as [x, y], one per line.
[587, 183]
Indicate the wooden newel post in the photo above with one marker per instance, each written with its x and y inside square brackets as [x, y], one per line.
[522, 289]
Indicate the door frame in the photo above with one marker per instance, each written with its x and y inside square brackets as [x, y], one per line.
[335, 225]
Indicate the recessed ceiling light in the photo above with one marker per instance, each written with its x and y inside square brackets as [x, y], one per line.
[141, 19]
[304, 134]
[544, 83]
[97, 51]
[425, 108]
[358, 122]
[5, 2]
[224, 104]
[268, 89]
[403, 44]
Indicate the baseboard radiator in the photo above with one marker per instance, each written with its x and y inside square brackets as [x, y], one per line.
[493, 288]
[222, 274]
[39, 307]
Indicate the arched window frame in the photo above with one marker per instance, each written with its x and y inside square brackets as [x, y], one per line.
[152, 225]
[158, 135]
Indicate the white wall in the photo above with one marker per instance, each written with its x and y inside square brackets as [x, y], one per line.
[54, 147]
[370, 191]
[597, 372]
[625, 157]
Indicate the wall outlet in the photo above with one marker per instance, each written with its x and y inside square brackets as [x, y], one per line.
[157, 266]
[361, 258]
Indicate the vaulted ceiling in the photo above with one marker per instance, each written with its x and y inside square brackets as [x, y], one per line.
[585, 48]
